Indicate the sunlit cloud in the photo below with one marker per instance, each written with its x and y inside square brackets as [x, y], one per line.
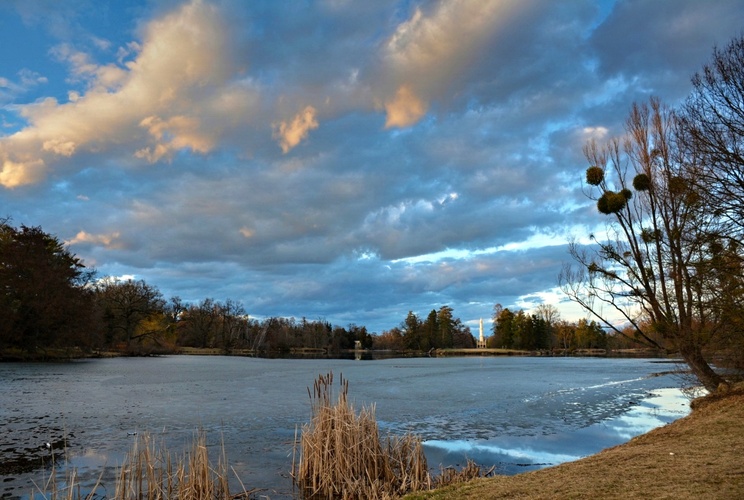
[430, 50]
[179, 73]
[405, 109]
[290, 134]
[178, 132]
[109, 241]
[14, 174]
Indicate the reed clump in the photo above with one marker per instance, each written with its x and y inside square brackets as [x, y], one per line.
[151, 472]
[342, 455]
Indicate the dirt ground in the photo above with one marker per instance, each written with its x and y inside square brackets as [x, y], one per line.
[700, 456]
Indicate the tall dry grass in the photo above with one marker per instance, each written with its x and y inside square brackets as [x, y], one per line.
[342, 455]
[152, 472]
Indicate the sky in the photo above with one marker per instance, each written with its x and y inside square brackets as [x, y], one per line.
[342, 160]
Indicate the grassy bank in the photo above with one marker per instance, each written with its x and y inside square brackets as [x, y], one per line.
[698, 456]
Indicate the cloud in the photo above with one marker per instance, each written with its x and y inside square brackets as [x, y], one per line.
[179, 89]
[291, 134]
[109, 241]
[669, 37]
[188, 144]
[178, 132]
[405, 109]
[430, 51]
[14, 174]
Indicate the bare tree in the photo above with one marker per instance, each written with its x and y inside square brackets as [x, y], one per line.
[650, 267]
[712, 131]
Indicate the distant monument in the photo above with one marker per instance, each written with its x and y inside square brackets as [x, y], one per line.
[481, 339]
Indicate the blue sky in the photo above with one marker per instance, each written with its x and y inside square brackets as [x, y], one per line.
[335, 159]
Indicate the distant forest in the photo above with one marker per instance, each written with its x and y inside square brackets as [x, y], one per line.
[51, 301]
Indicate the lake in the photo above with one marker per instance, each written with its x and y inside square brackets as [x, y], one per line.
[517, 413]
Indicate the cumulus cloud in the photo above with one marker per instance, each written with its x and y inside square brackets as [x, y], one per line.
[429, 51]
[175, 89]
[18, 173]
[290, 134]
[178, 132]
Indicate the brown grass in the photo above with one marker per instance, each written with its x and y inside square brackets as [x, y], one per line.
[342, 455]
[696, 457]
[151, 471]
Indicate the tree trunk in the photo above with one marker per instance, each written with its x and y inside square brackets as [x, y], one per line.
[694, 358]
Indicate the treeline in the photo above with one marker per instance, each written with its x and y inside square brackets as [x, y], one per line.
[440, 330]
[540, 332]
[50, 300]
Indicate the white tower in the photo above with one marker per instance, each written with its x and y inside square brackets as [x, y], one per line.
[481, 339]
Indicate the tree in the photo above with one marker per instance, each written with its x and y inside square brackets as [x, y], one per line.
[430, 330]
[200, 324]
[650, 268]
[132, 311]
[551, 316]
[564, 334]
[589, 335]
[390, 340]
[504, 329]
[446, 326]
[712, 132]
[412, 333]
[232, 323]
[44, 298]
[462, 338]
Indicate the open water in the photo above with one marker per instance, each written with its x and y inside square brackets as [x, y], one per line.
[514, 413]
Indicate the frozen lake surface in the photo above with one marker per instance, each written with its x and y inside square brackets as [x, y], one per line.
[515, 413]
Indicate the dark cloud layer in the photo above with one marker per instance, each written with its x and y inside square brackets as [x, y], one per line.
[342, 160]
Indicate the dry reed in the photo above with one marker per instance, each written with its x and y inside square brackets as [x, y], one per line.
[342, 455]
[150, 472]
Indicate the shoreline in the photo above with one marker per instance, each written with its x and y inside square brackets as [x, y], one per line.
[62, 355]
[238, 362]
[696, 456]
